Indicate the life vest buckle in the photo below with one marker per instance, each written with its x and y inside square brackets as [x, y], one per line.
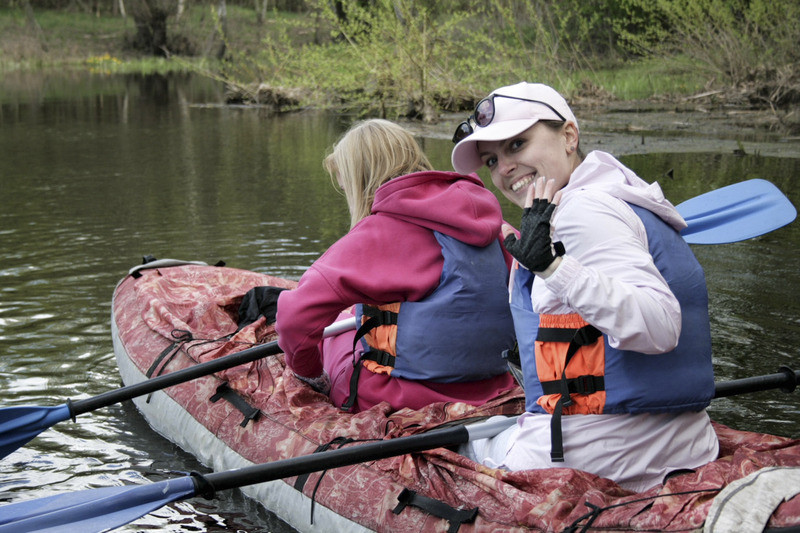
[388, 318]
[380, 357]
[586, 384]
[383, 317]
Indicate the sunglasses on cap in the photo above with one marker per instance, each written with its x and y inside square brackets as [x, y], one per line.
[484, 113]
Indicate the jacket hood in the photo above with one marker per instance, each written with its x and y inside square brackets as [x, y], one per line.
[450, 203]
[601, 171]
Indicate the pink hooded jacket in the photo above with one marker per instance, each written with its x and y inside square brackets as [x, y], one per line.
[387, 257]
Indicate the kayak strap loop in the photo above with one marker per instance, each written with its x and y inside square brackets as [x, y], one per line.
[159, 363]
[456, 517]
[301, 480]
[224, 392]
[589, 517]
[181, 336]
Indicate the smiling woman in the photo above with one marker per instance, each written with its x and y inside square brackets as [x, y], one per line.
[618, 302]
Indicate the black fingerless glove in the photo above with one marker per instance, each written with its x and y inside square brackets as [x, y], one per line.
[535, 249]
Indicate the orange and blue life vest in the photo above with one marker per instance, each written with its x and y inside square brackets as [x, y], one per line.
[570, 368]
[455, 334]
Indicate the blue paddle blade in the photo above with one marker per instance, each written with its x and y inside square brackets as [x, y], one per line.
[735, 213]
[93, 509]
[18, 425]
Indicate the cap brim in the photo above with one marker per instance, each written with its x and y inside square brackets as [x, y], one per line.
[465, 157]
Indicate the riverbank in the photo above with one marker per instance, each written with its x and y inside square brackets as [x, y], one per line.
[671, 104]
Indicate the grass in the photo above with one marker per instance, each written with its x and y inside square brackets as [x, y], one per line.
[648, 79]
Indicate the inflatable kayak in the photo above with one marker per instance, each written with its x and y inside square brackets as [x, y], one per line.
[171, 315]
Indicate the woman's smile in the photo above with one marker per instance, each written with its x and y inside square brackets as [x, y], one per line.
[522, 183]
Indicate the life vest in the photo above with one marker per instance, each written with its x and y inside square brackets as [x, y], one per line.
[455, 334]
[601, 379]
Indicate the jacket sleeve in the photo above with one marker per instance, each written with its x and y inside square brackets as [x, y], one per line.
[608, 276]
[371, 265]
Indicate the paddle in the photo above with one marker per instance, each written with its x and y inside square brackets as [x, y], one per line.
[111, 507]
[735, 213]
[18, 425]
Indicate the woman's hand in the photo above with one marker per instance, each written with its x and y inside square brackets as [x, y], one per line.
[535, 249]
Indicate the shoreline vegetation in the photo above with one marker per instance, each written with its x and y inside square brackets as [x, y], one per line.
[418, 59]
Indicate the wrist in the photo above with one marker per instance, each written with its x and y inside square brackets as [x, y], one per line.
[550, 270]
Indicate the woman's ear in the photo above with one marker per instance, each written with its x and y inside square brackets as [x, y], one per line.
[571, 137]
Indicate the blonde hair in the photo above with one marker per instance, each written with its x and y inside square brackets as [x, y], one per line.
[371, 153]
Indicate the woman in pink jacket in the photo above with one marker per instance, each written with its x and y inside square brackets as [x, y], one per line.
[423, 272]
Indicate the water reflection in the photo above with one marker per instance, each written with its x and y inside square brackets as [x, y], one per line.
[97, 171]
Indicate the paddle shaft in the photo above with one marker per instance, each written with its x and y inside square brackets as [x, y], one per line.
[129, 392]
[373, 451]
[187, 374]
[786, 380]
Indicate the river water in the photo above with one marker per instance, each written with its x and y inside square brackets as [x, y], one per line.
[97, 171]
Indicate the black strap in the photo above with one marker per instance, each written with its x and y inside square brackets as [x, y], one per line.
[387, 318]
[180, 336]
[587, 384]
[583, 336]
[580, 337]
[595, 512]
[590, 517]
[456, 517]
[224, 392]
[380, 357]
[170, 351]
[167, 354]
[301, 480]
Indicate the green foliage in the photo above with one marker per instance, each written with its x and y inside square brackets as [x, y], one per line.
[415, 58]
[730, 38]
[397, 52]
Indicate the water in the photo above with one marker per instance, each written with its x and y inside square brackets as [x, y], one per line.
[97, 171]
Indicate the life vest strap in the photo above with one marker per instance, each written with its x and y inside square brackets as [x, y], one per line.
[581, 336]
[380, 357]
[351, 398]
[386, 318]
[587, 384]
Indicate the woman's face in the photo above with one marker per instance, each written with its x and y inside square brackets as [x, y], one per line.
[540, 150]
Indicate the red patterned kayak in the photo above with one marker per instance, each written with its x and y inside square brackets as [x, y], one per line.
[168, 317]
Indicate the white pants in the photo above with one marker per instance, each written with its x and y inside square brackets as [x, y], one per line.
[636, 451]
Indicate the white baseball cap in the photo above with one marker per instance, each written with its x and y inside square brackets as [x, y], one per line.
[516, 108]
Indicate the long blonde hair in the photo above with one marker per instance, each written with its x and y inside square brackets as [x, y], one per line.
[371, 153]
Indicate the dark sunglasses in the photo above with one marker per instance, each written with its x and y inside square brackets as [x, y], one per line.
[484, 113]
